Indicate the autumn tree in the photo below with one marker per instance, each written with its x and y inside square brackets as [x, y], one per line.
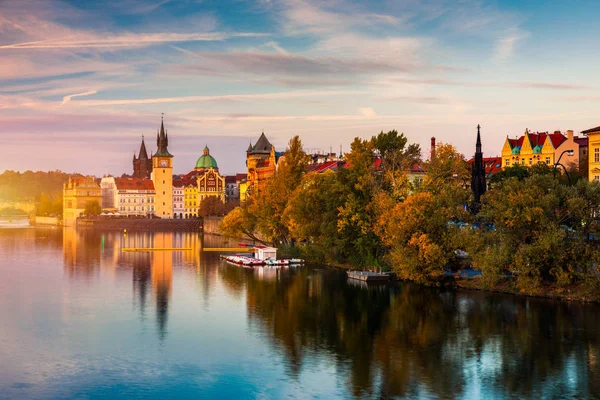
[397, 157]
[312, 214]
[92, 208]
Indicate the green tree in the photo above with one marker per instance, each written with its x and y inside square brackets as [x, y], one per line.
[92, 208]
[356, 216]
[312, 214]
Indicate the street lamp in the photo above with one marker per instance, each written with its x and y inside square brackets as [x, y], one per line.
[570, 154]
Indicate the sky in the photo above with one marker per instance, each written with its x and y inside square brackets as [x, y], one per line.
[81, 82]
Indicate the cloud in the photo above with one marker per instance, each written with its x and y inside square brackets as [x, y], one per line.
[128, 40]
[367, 112]
[522, 85]
[505, 46]
[229, 97]
[68, 98]
[417, 99]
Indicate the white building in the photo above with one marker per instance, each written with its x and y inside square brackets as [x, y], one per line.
[178, 204]
[129, 196]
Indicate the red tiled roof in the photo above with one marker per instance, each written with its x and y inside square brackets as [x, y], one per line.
[557, 139]
[492, 165]
[416, 168]
[240, 176]
[134, 183]
[591, 130]
[581, 141]
[230, 179]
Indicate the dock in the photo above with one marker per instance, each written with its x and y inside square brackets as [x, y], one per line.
[367, 276]
[142, 249]
[229, 249]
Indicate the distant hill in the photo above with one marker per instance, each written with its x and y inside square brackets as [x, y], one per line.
[29, 185]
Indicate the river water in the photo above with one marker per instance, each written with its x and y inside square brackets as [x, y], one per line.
[82, 319]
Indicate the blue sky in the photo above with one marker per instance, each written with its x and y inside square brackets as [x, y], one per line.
[81, 82]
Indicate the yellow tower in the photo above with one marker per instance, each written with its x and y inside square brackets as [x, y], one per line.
[162, 175]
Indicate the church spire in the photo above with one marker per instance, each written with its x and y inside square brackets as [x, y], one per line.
[162, 141]
[478, 184]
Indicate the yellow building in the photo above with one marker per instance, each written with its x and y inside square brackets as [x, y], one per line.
[210, 183]
[261, 160]
[76, 193]
[593, 135]
[243, 191]
[541, 147]
[190, 199]
[162, 176]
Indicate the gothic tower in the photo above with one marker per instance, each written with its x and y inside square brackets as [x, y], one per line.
[142, 164]
[162, 175]
[478, 185]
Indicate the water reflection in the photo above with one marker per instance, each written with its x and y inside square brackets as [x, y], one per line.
[291, 332]
[410, 341]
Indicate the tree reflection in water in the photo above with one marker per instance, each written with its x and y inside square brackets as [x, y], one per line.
[385, 341]
[408, 340]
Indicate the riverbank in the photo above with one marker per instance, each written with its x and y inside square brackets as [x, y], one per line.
[580, 292]
[141, 224]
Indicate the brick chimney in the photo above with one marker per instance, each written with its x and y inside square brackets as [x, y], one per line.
[432, 156]
[570, 135]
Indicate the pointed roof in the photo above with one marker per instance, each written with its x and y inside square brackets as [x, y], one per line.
[143, 153]
[162, 141]
[262, 146]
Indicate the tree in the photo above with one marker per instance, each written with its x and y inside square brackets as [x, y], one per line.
[269, 204]
[312, 214]
[240, 223]
[448, 165]
[356, 218]
[92, 208]
[396, 156]
[214, 206]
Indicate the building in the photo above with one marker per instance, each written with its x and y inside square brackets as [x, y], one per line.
[108, 189]
[142, 164]
[233, 184]
[210, 182]
[261, 161]
[416, 175]
[162, 175]
[491, 165]
[542, 147]
[129, 196]
[593, 136]
[478, 182]
[178, 197]
[77, 192]
[190, 198]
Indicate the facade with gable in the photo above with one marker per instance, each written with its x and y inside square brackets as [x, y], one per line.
[77, 192]
[203, 182]
[543, 147]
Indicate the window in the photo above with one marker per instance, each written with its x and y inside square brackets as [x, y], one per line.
[596, 178]
[530, 161]
[548, 160]
[597, 154]
[507, 162]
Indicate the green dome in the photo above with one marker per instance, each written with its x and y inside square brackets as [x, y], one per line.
[206, 160]
[537, 150]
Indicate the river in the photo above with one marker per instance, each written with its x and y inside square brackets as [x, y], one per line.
[82, 319]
